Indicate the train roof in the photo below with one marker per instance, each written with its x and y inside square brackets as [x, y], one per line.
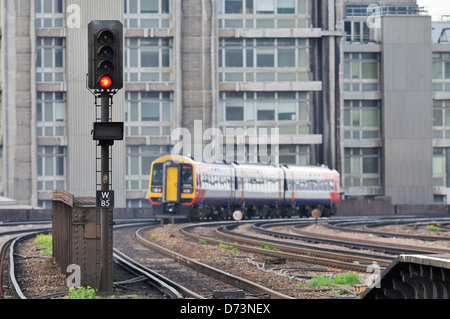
[297, 168]
[175, 158]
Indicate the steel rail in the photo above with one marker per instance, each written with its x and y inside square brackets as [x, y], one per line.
[12, 274]
[217, 273]
[382, 247]
[163, 284]
[328, 259]
[345, 226]
[2, 258]
[373, 244]
[348, 256]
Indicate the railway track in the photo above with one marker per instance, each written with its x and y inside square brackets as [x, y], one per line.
[369, 226]
[348, 260]
[8, 240]
[204, 280]
[297, 233]
[393, 248]
[12, 267]
[139, 274]
[165, 268]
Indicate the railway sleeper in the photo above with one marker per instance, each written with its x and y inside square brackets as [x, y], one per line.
[412, 277]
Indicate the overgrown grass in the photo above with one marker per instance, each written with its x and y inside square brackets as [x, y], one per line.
[347, 279]
[45, 244]
[320, 281]
[82, 293]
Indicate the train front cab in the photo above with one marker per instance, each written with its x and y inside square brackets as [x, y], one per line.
[171, 189]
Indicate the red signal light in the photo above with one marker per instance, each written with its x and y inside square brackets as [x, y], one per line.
[105, 81]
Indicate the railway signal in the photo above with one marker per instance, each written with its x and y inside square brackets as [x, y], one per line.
[105, 78]
[105, 45]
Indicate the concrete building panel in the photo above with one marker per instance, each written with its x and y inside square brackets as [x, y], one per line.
[17, 93]
[407, 116]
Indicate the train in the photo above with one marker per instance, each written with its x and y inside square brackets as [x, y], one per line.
[182, 188]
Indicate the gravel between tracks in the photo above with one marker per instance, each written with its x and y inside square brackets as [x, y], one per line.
[235, 262]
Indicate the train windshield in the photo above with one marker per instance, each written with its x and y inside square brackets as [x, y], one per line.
[157, 175]
[186, 175]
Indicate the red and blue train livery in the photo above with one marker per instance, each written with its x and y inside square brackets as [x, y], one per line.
[186, 189]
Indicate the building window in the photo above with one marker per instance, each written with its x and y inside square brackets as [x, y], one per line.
[362, 167]
[364, 10]
[289, 111]
[441, 71]
[287, 154]
[138, 163]
[361, 119]
[51, 168]
[439, 169]
[50, 13]
[361, 72]
[259, 60]
[263, 13]
[294, 154]
[50, 59]
[147, 60]
[148, 113]
[441, 119]
[50, 114]
[357, 31]
[147, 14]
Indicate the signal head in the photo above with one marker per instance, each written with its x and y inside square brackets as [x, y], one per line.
[105, 43]
[105, 37]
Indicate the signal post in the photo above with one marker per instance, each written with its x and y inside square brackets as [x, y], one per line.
[105, 78]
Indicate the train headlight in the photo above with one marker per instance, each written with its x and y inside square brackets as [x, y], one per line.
[188, 190]
[156, 190]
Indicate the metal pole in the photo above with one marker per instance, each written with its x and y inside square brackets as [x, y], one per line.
[106, 276]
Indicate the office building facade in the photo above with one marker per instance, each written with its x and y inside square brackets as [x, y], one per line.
[331, 80]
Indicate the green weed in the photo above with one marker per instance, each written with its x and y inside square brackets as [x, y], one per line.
[82, 293]
[45, 244]
[266, 247]
[347, 279]
[229, 247]
[433, 228]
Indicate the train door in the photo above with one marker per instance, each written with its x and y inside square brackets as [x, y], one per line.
[172, 174]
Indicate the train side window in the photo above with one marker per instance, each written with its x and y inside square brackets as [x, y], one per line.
[312, 185]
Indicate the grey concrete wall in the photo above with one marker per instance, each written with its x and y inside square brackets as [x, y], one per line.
[197, 76]
[18, 92]
[407, 109]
